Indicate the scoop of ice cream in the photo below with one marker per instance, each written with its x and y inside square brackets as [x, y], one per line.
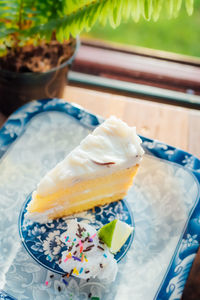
[86, 255]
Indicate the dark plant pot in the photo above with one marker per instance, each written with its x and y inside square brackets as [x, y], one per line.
[17, 89]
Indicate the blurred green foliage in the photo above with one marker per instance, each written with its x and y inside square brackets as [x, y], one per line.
[180, 35]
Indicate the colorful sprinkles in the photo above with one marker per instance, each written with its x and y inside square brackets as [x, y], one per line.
[93, 236]
[65, 282]
[69, 255]
[100, 248]
[66, 259]
[75, 271]
[59, 288]
[76, 258]
[67, 239]
[49, 257]
[77, 250]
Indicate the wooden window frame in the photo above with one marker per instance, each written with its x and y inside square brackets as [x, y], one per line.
[148, 74]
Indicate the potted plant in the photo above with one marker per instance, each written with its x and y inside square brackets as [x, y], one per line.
[37, 40]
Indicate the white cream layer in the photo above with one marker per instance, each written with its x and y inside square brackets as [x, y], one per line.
[113, 143]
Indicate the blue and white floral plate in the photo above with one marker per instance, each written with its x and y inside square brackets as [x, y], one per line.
[164, 201]
[42, 241]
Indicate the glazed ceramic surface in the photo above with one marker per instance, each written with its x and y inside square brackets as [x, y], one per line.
[164, 201]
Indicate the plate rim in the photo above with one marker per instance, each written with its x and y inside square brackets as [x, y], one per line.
[16, 124]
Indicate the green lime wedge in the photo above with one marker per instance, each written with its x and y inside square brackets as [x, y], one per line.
[115, 234]
[106, 232]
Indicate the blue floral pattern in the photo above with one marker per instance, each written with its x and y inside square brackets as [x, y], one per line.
[176, 273]
[42, 241]
[5, 296]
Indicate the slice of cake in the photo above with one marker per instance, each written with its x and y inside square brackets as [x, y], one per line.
[100, 170]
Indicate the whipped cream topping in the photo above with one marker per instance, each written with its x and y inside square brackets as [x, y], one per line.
[86, 255]
[110, 147]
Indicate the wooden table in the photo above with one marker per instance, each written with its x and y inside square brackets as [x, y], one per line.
[177, 126]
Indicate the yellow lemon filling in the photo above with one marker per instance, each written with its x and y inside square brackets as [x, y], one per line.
[85, 194]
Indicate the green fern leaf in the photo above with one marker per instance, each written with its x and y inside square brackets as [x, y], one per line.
[4, 32]
[70, 6]
[117, 13]
[148, 5]
[83, 14]
[189, 4]
[104, 12]
[170, 7]
[176, 7]
[136, 12]
[157, 6]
